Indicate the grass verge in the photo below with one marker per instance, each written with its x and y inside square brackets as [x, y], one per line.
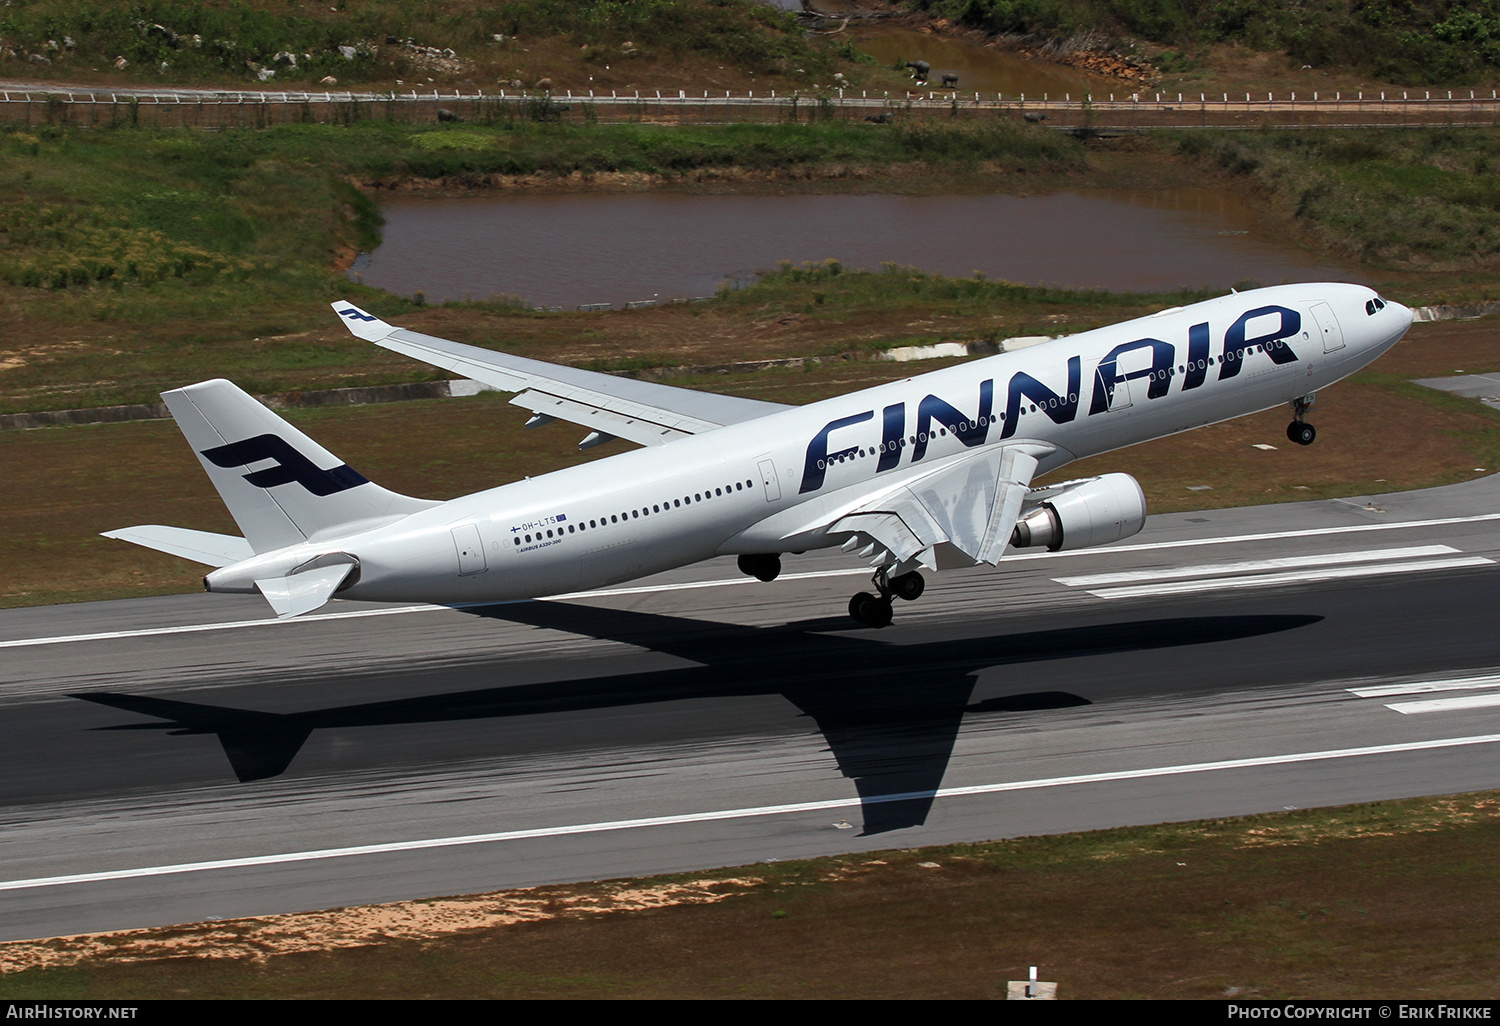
[1378, 433]
[1388, 900]
[275, 44]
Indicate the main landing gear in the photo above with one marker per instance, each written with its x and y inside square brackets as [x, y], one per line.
[763, 566]
[875, 610]
[1298, 430]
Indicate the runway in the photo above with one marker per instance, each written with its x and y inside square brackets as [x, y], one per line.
[178, 759]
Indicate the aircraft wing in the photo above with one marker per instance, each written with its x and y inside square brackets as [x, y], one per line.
[958, 514]
[609, 406]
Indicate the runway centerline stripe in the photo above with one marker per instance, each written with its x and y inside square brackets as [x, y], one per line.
[194, 628]
[1012, 559]
[1246, 566]
[395, 847]
[1304, 576]
[356, 614]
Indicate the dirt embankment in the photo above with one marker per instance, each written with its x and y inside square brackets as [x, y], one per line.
[1089, 51]
[627, 181]
[1102, 60]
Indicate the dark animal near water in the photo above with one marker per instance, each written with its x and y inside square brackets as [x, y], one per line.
[922, 69]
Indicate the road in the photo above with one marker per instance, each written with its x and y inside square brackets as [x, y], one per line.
[34, 103]
[177, 759]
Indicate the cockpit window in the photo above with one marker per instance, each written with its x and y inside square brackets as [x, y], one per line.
[1374, 306]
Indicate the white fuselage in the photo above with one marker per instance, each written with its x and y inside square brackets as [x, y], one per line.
[773, 484]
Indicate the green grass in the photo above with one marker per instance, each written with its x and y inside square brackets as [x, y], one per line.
[1405, 200]
[1417, 42]
[226, 43]
[133, 260]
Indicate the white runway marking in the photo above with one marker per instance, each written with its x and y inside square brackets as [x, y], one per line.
[195, 628]
[1247, 566]
[729, 814]
[1483, 682]
[356, 614]
[644, 589]
[1302, 577]
[1445, 704]
[1423, 687]
[1311, 532]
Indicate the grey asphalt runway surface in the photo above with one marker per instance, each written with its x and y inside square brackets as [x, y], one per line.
[177, 759]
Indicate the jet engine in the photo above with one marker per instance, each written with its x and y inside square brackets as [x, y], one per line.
[1093, 511]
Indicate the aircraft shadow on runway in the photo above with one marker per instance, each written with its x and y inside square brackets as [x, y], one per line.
[890, 712]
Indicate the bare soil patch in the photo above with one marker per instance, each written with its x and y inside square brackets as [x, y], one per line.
[1390, 900]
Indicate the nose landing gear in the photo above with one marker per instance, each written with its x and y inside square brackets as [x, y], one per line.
[1298, 430]
[875, 610]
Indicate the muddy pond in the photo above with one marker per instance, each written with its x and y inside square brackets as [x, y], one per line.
[569, 249]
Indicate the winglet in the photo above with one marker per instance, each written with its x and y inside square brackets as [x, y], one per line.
[364, 325]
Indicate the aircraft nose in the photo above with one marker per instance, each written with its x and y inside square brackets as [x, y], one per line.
[1402, 311]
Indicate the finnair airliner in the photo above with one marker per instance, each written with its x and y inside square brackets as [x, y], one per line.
[929, 473]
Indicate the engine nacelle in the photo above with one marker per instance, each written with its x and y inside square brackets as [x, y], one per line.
[1096, 511]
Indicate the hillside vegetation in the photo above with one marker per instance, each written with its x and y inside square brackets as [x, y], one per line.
[381, 42]
[1414, 42]
[168, 254]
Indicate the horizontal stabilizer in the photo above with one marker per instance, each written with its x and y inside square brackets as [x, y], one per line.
[199, 546]
[304, 592]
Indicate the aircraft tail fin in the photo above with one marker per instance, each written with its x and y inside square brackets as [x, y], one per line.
[281, 487]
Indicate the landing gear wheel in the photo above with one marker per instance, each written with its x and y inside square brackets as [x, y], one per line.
[761, 566]
[876, 612]
[870, 610]
[1301, 432]
[908, 586]
[857, 603]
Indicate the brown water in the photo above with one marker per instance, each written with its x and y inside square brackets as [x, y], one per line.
[567, 249]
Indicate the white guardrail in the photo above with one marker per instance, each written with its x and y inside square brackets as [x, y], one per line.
[1090, 113]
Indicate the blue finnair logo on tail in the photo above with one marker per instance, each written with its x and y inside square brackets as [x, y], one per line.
[354, 313]
[291, 465]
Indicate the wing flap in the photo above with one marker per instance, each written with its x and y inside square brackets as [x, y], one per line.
[569, 393]
[622, 419]
[888, 530]
[970, 505]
